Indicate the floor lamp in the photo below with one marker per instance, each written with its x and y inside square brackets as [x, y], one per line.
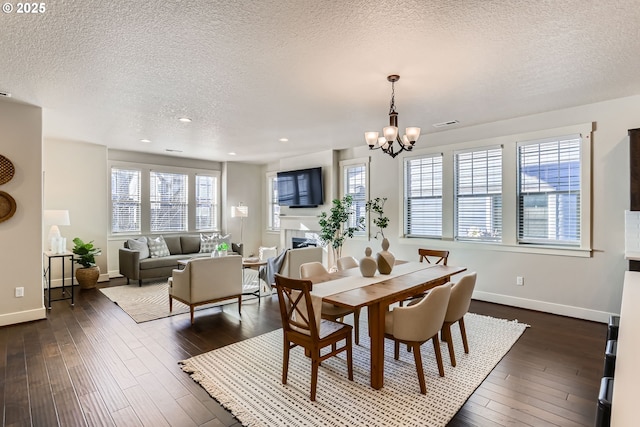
[241, 212]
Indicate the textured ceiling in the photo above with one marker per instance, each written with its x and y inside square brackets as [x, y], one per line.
[251, 72]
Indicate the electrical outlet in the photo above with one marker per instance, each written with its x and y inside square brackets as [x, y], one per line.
[519, 281]
[19, 292]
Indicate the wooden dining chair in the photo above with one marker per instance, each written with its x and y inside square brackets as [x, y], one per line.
[431, 256]
[458, 306]
[416, 324]
[302, 327]
[347, 262]
[330, 311]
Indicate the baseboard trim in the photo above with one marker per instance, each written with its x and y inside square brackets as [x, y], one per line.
[547, 307]
[23, 316]
[57, 283]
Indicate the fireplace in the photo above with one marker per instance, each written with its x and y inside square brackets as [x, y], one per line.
[302, 242]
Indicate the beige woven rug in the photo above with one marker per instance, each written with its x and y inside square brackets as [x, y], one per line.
[151, 300]
[246, 379]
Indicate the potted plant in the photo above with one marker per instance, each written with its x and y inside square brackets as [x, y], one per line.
[334, 227]
[87, 275]
[222, 249]
[377, 207]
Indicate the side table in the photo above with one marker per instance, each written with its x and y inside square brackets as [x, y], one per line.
[47, 275]
[254, 263]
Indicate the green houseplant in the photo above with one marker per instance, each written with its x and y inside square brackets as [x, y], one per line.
[335, 227]
[376, 206]
[87, 275]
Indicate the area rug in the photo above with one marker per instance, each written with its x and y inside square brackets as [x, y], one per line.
[151, 300]
[245, 378]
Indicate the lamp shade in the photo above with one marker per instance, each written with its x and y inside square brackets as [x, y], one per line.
[56, 217]
[239, 211]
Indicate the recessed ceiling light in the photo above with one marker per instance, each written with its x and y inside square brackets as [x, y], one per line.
[145, 140]
[185, 119]
[284, 139]
[232, 153]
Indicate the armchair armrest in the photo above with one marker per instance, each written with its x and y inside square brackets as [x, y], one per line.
[181, 284]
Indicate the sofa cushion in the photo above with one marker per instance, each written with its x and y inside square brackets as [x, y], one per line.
[157, 247]
[208, 242]
[173, 244]
[140, 244]
[190, 244]
[165, 261]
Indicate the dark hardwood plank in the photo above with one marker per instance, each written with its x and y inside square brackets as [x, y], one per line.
[93, 365]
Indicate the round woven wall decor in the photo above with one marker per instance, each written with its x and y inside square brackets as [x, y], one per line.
[6, 170]
[7, 206]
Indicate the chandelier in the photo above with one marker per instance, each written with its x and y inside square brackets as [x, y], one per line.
[386, 142]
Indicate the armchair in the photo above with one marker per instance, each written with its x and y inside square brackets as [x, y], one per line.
[207, 280]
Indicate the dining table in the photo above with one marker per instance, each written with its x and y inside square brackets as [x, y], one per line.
[349, 289]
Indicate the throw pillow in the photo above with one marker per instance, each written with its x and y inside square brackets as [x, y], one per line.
[140, 244]
[208, 243]
[157, 247]
[265, 252]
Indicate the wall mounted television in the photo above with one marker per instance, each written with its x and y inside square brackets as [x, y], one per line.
[300, 188]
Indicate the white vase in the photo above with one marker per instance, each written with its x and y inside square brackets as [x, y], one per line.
[385, 258]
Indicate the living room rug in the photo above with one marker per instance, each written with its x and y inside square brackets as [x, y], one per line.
[151, 300]
[245, 378]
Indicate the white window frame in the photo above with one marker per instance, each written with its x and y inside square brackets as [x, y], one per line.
[345, 165]
[476, 195]
[273, 208]
[509, 194]
[145, 214]
[407, 197]
[136, 205]
[204, 203]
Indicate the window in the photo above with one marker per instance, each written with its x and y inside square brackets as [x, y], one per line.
[273, 208]
[355, 185]
[125, 200]
[423, 196]
[206, 199]
[168, 197]
[549, 191]
[478, 195]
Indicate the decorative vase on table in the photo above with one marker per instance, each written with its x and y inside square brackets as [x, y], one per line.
[385, 258]
[368, 264]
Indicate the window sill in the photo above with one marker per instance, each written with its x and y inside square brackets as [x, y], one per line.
[500, 247]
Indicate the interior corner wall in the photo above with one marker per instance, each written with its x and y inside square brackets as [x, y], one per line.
[21, 249]
[76, 179]
[243, 186]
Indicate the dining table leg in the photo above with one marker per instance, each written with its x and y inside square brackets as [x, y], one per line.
[376, 330]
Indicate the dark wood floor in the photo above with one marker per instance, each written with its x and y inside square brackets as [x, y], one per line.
[93, 365]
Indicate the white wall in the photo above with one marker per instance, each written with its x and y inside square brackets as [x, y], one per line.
[243, 184]
[76, 179]
[21, 235]
[588, 288]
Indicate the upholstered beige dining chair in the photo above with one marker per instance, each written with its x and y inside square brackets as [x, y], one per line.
[330, 311]
[416, 324]
[347, 262]
[430, 256]
[458, 306]
[302, 327]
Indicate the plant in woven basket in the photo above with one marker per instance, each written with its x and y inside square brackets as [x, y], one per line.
[88, 275]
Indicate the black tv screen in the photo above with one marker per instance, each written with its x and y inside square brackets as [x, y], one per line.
[300, 188]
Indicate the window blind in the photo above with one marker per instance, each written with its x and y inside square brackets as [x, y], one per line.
[168, 197]
[355, 185]
[478, 195]
[549, 191]
[423, 196]
[206, 203]
[125, 200]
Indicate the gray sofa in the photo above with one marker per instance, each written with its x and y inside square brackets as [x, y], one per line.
[181, 246]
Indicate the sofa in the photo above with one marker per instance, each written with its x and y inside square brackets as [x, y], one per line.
[151, 257]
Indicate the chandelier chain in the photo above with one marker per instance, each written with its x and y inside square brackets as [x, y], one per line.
[392, 106]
